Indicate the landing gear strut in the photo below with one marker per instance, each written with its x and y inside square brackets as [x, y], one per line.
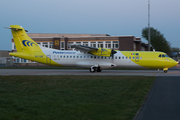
[94, 69]
[165, 70]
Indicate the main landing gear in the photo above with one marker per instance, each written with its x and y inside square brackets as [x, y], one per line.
[94, 69]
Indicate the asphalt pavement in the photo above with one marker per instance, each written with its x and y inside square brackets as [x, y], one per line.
[163, 101]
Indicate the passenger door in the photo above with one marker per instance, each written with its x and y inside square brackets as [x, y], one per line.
[48, 59]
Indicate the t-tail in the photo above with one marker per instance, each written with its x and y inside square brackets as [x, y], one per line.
[28, 48]
[22, 41]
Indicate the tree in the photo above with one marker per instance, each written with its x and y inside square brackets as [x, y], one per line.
[158, 41]
[175, 49]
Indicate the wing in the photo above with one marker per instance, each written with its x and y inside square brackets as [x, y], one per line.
[94, 51]
[84, 49]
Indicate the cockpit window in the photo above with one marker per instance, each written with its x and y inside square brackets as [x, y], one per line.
[166, 55]
[163, 55]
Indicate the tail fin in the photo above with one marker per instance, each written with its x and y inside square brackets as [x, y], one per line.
[22, 41]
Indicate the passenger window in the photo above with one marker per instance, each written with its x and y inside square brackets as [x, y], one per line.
[67, 56]
[133, 58]
[80, 56]
[101, 57]
[140, 57]
[116, 57]
[61, 56]
[91, 56]
[70, 56]
[119, 57]
[94, 57]
[123, 57]
[64, 56]
[129, 57]
[84, 56]
[73, 56]
[126, 57]
[77, 56]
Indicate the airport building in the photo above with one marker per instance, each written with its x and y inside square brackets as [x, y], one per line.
[5, 59]
[61, 42]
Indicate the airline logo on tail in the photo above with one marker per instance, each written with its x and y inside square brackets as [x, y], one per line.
[28, 43]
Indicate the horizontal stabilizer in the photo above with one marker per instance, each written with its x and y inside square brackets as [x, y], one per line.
[14, 27]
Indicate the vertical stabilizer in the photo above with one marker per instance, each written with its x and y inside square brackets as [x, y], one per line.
[22, 41]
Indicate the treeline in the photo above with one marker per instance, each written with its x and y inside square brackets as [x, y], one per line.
[158, 41]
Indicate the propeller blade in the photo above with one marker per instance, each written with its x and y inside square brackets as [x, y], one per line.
[112, 53]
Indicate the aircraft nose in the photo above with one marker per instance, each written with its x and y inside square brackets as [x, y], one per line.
[174, 63]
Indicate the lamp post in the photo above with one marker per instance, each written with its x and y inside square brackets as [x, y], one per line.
[149, 42]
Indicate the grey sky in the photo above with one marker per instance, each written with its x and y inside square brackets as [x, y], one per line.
[113, 17]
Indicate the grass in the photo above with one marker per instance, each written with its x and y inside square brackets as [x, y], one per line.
[72, 97]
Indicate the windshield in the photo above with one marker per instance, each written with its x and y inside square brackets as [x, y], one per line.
[163, 55]
[166, 55]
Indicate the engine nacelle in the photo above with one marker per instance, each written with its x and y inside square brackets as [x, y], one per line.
[102, 52]
[102, 65]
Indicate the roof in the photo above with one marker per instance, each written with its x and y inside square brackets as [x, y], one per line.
[45, 35]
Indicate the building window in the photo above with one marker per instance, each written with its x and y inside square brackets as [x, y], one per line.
[100, 44]
[17, 60]
[78, 43]
[85, 43]
[70, 43]
[14, 46]
[50, 44]
[45, 44]
[108, 44]
[115, 44]
[62, 45]
[93, 44]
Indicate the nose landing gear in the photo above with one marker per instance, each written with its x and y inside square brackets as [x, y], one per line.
[165, 70]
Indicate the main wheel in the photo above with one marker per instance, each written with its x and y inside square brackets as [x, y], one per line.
[92, 70]
[98, 69]
[165, 71]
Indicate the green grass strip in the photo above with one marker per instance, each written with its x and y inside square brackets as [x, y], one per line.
[72, 97]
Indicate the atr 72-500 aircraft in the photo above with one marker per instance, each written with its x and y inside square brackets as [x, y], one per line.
[93, 58]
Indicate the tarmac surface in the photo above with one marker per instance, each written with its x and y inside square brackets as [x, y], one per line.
[163, 102]
[86, 72]
[175, 71]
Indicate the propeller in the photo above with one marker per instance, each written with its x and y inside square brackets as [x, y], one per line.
[112, 53]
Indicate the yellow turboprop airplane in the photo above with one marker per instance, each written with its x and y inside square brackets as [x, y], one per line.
[93, 58]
